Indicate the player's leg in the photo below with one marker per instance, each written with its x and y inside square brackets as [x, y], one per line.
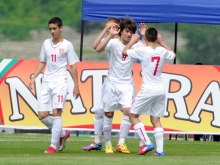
[157, 112]
[59, 99]
[55, 131]
[126, 93]
[158, 135]
[44, 107]
[98, 123]
[107, 129]
[141, 132]
[98, 126]
[124, 130]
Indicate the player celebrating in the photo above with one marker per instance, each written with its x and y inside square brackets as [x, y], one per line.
[98, 121]
[118, 90]
[151, 99]
[55, 54]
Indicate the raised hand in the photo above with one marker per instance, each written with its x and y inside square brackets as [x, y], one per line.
[142, 28]
[114, 29]
[109, 25]
[159, 39]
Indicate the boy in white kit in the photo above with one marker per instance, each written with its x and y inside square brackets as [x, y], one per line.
[118, 90]
[55, 54]
[98, 120]
[151, 99]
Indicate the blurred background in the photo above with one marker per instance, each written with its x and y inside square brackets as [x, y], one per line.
[24, 27]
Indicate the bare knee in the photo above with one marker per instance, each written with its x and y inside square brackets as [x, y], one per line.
[126, 111]
[42, 115]
[109, 114]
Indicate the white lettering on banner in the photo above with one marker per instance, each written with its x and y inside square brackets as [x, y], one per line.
[17, 87]
[178, 97]
[97, 77]
[212, 92]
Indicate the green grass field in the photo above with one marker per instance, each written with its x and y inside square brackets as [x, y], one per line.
[25, 149]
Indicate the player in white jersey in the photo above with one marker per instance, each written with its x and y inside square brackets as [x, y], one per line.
[118, 89]
[151, 99]
[55, 55]
[99, 118]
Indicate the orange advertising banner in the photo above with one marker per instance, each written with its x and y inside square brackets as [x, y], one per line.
[193, 97]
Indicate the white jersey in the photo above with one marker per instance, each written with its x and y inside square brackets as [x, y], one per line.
[57, 58]
[119, 66]
[152, 61]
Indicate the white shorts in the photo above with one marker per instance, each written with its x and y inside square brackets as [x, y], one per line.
[117, 96]
[153, 105]
[52, 96]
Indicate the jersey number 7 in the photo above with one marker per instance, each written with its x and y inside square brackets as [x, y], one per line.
[157, 59]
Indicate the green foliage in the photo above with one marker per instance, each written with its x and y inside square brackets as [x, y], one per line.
[19, 17]
[202, 46]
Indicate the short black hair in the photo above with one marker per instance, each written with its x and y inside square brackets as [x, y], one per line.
[151, 34]
[56, 20]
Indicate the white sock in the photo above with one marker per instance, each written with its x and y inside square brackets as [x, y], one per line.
[158, 135]
[107, 130]
[140, 130]
[124, 129]
[48, 121]
[98, 126]
[56, 131]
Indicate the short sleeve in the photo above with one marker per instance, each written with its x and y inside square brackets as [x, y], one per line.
[170, 55]
[135, 53]
[72, 57]
[43, 53]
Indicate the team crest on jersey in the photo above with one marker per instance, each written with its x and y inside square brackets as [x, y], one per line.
[61, 51]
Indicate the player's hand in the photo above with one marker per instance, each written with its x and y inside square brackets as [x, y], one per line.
[134, 38]
[159, 39]
[114, 29]
[109, 25]
[76, 92]
[31, 83]
[142, 28]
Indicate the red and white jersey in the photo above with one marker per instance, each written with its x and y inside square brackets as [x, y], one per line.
[119, 66]
[57, 58]
[152, 61]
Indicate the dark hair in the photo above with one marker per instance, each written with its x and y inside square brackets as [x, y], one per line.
[56, 20]
[114, 19]
[151, 34]
[128, 23]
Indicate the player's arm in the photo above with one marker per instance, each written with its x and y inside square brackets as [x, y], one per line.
[101, 35]
[163, 44]
[38, 70]
[134, 39]
[74, 73]
[114, 31]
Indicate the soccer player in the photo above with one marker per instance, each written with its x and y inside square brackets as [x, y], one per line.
[55, 54]
[118, 90]
[98, 121]
[151, 99]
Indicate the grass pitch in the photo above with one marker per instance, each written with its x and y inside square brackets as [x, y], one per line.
[26, 149]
